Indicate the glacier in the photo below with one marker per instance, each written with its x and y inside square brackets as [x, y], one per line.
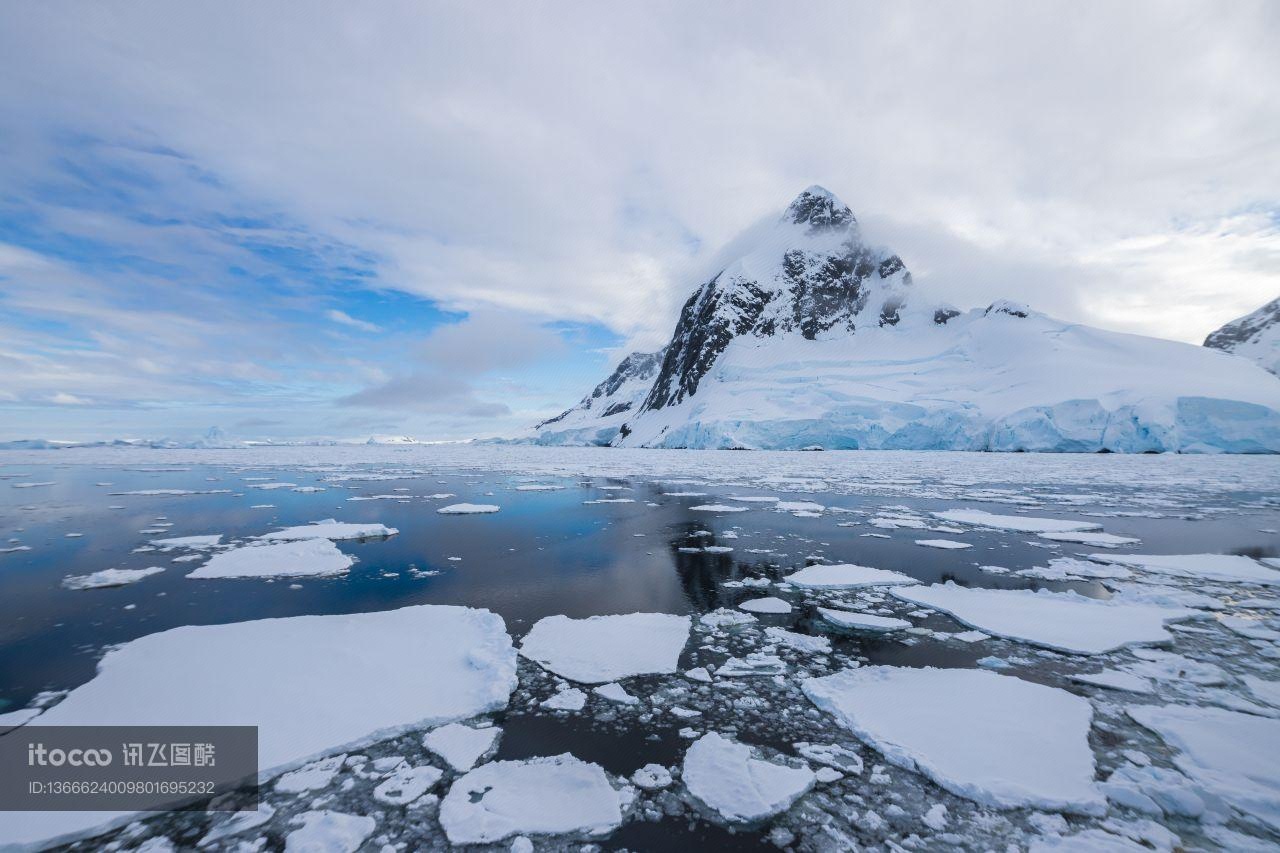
[811, 340]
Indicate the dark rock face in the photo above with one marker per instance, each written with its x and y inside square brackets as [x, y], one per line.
[1240, 331]
[638, 365]
[942, 315]
[815, 293]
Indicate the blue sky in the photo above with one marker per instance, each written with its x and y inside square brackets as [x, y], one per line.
[446, 222]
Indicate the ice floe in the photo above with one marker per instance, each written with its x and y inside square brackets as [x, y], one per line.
[329, 832]
[606, 648]
[110, 577]
[1065, 622]
[330, 529]
[1230, 754]
[944, 544]
[1094, 539]
[295, 558]
[292, 677]
[846, 576]
[461, 746]
[1019, 523]
[311, 776]
[406, 784]
[718, 508]
[765, 605]
[1220, 567]
[862, 621]
[468, 509]
[194, 543]
[544, 796]
[994, 739]
[736, 784]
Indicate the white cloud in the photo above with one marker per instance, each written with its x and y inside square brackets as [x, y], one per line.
[346, 319]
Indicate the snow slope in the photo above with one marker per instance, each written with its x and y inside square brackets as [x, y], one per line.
[810, 339]
[1254, 336]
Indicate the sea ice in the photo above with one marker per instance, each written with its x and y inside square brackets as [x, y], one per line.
[109, 577]
[606, 648]
[995, 739]
[330, 529]
[547, 796]
[945, 544]
[718, 508]
[292, 677]
[766, 605]
[1084, 537]
[192, 542]
[317, 774]
[846, 576]
[730, 779]
[862, 621]
[615, 692]
[406, 784]
[467, 509]
[1230, 754]
[1019, 523]
[571, 699]
[1114, 679]
[1064, 622]
[1219, 567]
[329, 832]
[297, 558]
[461, 746]
[651, 777]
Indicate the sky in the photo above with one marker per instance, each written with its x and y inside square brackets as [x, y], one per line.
[449, 220]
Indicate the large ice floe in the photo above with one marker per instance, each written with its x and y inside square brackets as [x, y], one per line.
[1214, 567]
[312, 684]
[1019, 523]
[994, 739]
[1063, 621]
[109, 577]
[846, 576]
[293, 558]
[544, 796]
[1227, 753]
[331, 529]
[599, 649]
[739, 786]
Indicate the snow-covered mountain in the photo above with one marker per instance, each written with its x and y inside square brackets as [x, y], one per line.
[811, 338]
[1255, 336]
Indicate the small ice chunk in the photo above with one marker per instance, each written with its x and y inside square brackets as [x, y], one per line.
[330, 529]
[615, 692]
[718, 508]
[192, 542]
[730, 779]
[301, 558]
[1114, 679]
[1098, 540]
[329, 832]
[109, 577]
[462, 746]
[994, 739]
[407, 784]
[1019, 523]
[698, 673]
[936, 817]
[1064, 622]
[945, 544]
[547, 796]
[766, 605]
[572, 699]
[651, 777]
[862, 621]
[799, 642]
[317, 774]
[756, 663]
[846, 576]
[468, 509]
[606, 648]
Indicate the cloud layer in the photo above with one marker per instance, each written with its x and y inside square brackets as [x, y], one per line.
[212, 211]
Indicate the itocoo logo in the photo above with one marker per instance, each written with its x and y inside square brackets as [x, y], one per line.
[38, 756]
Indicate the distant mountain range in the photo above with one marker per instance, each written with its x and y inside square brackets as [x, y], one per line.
[811, 339]
[1254, 336]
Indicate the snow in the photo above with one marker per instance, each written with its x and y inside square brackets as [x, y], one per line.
[944, 544]
[731, 780]
[329, 832]
[192, 542]
[1219, 567]
[766, 605]
[109, 577]
[1064, 622]
[407, 784]
[846, 576]
[297, 558]
[467, 509]
[547, 796]
[994, 739]
[461, 746]
[862, 621]
[1019, 523]
[606, 648]
[1230, 754]
[292, 677]
[330, 529]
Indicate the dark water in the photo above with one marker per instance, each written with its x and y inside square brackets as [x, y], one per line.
[545, 553]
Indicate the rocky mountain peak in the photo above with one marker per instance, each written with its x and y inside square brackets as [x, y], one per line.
[819, 208]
